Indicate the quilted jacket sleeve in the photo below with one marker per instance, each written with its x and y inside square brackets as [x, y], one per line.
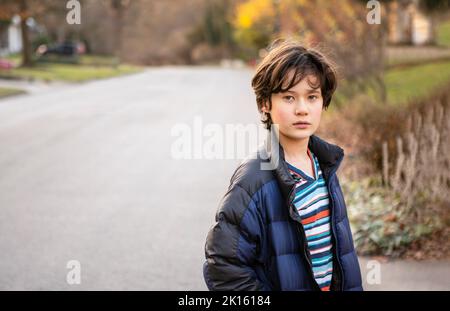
[232, 244]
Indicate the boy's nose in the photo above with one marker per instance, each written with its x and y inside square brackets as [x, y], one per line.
[301, 108]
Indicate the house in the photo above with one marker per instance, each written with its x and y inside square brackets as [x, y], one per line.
[408, 24]
[10, 35]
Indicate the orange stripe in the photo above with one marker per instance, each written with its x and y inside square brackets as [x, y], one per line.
[326, 288]
[313, 218]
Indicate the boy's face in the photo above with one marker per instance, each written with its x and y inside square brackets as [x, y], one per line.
[301, 103]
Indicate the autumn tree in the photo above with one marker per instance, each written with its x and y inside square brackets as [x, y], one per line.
[339, 28]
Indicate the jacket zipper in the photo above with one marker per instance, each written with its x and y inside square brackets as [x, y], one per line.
[304, 242]
[334, 235]
[307, 256]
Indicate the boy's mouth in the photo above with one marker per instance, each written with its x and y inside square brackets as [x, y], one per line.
[301, 124]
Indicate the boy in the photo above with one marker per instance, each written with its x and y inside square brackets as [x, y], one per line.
[286, 228]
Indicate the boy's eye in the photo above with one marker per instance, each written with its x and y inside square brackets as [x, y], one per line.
[288, 98]
[312, 97]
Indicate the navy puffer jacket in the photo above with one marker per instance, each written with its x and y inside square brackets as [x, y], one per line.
[256, 244]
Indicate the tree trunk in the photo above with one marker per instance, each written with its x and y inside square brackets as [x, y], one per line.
[27, 60]
[118, 23]
[432, 29]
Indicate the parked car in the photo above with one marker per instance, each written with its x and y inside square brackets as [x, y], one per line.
[67, 51]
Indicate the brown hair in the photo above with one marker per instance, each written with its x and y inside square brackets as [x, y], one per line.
[272, 73]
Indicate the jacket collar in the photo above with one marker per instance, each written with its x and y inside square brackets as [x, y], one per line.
[329, 156]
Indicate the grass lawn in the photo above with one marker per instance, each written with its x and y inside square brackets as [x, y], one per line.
[443, 34]
[89, 68]
[408, 83]
[9, 91]
[404, 84]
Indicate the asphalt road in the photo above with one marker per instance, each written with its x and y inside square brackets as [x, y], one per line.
[87, 174]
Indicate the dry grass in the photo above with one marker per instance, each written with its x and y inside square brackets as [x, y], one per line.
[419, 171]
[396, 174]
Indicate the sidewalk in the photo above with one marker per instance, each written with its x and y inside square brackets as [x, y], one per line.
[408, 275]
[32, 87]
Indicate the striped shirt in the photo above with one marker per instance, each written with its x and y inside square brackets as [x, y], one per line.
[311, 202]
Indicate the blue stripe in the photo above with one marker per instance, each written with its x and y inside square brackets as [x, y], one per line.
[325, 284]
[321, 260]
[322, 254]
[316, 241]
[323, 197]
[302, 191]
[316, 211]
[318, 246]
[316, 237]
[323, 268]
[318, 277]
